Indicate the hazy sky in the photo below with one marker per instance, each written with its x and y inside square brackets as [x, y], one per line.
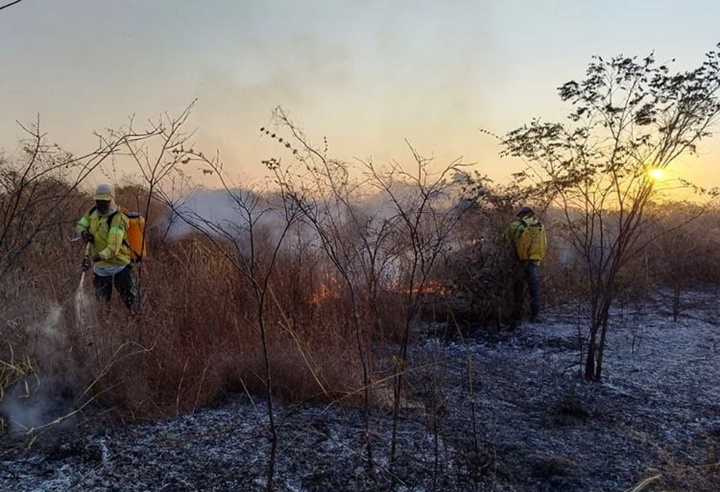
[367, 74]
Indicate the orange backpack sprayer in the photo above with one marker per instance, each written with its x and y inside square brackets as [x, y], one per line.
[136, 235]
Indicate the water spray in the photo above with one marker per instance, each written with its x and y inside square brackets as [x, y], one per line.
[81, 300]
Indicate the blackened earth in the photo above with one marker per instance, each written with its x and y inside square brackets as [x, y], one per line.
[490, 411]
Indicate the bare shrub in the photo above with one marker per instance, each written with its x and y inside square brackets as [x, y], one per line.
[476, 270]
[675, 476]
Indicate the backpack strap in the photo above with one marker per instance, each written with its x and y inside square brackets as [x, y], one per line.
[109, 217]
[109, 223]
[521, 227]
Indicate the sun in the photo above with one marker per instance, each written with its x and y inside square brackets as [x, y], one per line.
[656, 174]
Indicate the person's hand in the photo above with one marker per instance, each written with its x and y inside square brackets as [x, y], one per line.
[87, 236]
[86, 263]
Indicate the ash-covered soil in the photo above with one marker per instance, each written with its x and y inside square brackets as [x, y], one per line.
[495, 411]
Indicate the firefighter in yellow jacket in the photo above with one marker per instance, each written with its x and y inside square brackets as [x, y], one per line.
[528, 239]
[104, 227]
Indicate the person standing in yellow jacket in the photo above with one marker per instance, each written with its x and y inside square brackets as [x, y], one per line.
[104, 227]
[527, 239]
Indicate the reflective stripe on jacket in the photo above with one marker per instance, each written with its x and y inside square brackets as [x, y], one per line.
[110, 241]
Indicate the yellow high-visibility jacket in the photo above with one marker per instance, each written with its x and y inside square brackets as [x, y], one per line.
[533, 248]
[110, 240]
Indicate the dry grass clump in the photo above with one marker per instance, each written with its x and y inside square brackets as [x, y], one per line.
[37, 362]
[14, 369]
[212, 319]
[197, 337]
[196, 334]
[676, 477]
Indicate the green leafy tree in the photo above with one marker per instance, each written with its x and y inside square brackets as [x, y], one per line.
[629, 116]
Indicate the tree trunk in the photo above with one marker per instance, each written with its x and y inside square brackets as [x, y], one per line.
[592, 347]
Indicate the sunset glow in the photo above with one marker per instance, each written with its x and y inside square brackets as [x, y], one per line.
[369, 77]
[656, 174]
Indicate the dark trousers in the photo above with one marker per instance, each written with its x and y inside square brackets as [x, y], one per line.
[124, 284]
[527, 279]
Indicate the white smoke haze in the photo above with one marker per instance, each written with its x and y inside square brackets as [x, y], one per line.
[46, 336]
[210, 211]
[84, 311]
[222, 213]
[220, 206]
[216, 211]
[42, 398]
[372, 212]
[37, 403]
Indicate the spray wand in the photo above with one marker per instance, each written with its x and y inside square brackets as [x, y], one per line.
[86, 259]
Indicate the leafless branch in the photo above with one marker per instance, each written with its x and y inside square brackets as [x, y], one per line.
[9, 4]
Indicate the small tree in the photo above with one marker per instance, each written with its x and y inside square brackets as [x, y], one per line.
[159, 161]
[254, 256]
[37, 186]
[392, 252]
[629, 117]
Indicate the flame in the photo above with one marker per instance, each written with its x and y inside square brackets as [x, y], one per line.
[323, 292]
[430, 287]
[328, 289]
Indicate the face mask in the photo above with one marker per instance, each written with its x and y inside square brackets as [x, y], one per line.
[102, 206]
